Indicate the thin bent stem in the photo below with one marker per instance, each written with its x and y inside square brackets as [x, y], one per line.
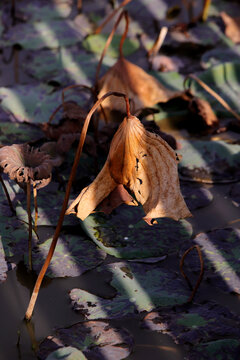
[74, 87]
[99, 29]
[7, 195]
[29, 225]
[35, 207]
[213, 93]
[194, 290]
[54, 113]
[109, 40]
[34, 296]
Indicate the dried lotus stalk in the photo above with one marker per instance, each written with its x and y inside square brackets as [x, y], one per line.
[145, 164]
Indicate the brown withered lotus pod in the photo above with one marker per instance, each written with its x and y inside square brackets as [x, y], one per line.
[23, 164]
[143, 163]
[141, 88]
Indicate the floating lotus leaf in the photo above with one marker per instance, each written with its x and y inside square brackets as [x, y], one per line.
[192, 324]
[224, 79]
[221, 254]
[65, 66]
[196, 197]
[220, 55]
[232, 8]
[96, 339]
[73, 256]
[67, 353]
[15, 240]
[36, 11]
[123, 234]
[3, 264]
[235, 194]
[18, 133]
[95, 43]
[30, 103]
[38, 35]
[141, 287]
[209, 161]
[226, 349]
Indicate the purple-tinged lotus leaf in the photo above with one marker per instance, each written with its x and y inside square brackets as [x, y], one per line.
[125, 235]
[222, 349]
[3, 264]
[235, 194]
[196, 197]
[141, 287]
[43, 34]
[195, 323]
[73, 256]
[98, 340]
[38, 11]
[220, 55]
[65, 66]
[221, 254]
[30, 103]
[210, 161]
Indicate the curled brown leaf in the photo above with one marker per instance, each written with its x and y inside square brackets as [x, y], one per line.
[143, 163]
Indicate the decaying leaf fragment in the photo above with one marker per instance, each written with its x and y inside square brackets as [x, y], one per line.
[232, 27]
[143, 163]
[141, 88]
[23, 163]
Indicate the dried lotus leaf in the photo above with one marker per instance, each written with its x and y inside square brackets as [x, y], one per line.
[142, 162]
[23, 163]
[141, 88]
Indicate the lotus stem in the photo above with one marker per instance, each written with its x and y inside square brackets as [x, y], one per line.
[16, 64]
[79, 5]
[213, 93]
[205, 10]
[158, 43]
[109, 40]
[194, 290]
[43, 270]
[29, 225]
[124, 3]
[35, 207]
[7, 195]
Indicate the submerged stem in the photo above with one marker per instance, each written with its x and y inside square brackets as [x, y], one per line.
[7, 195]
[194, 290]
[34, 296]
[35, 208]
[29, 225]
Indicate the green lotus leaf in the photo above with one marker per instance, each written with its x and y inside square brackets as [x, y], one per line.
[141, 287]
[67, 353]
[224, 79]
[73, 256]
[125, 235]
[96, 43]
